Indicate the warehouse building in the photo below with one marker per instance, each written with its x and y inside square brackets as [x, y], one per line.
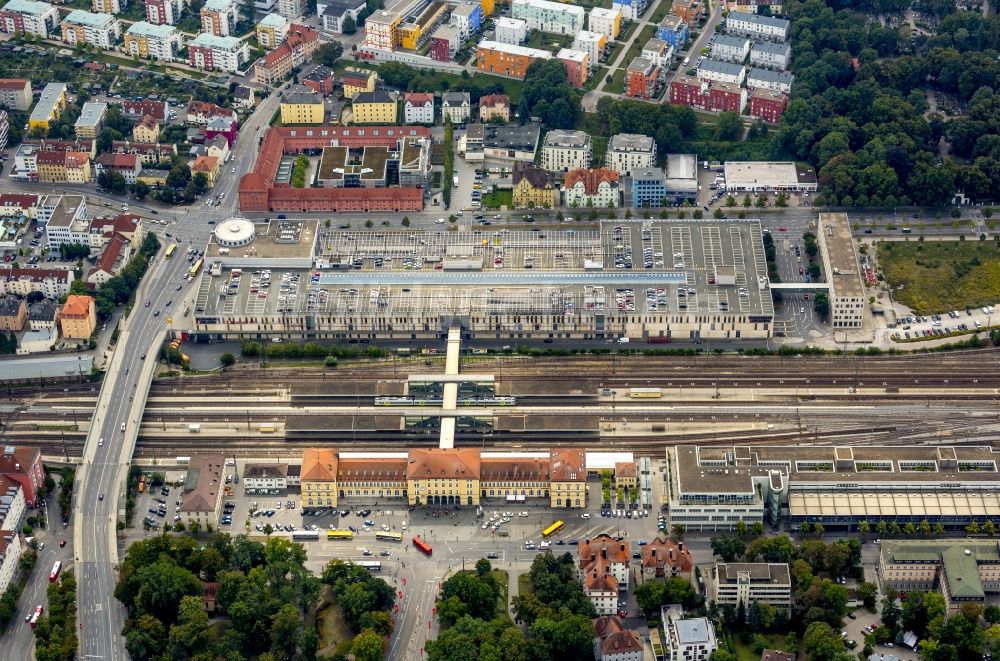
[755, 176]
[712, 488]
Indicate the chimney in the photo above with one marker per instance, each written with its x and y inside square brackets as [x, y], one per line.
[680, 547]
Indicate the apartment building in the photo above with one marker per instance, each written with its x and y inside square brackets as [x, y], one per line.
[577, 63]
[445, 42]
[770, 55]
[642, 78]
[378, 107]
[963, 570]
[13, 314]
[109, 6]
[12, 505]
[511, 31]
[146, 131]
[91, 118]
[127, 165]
[291, 8]
[604, 571]
[673, 30]
[552, 17]
[15, 205]
[840, 259]
[86, 28]
[690, 11]
[58, 167]
[456, 106]
[65, 220]
[721, 72]
[301, 105]
[219, 17]
[757, 26]
[776, 81]
[711, 96]
[213, 53]
[29, 17]
[468, 18]
[50, 106]
[201, 495]
[534, 188]
[264, 476]
[768, 105]
[334, 14]
[382, 30]
[592, 188]
[164, 12]
[319, 80]
[210, 166]
[601, 588]
[727, 48]
[136, 110]
[591, 43]
[11, 549]
[298, 47]
[605, 21]
[659, 53]
[613, 642]
[78, 317]
[443, 477]
[737, 583]
[665, 558]
[564, 150]
[630, 151]
[507, 59]
[631, 10]
[418, 108]
[158, 42]
[494, 106]
[42, 315]
[15, 93]
[113, 258]
[54, 283]
[687, 639]
[271, 31]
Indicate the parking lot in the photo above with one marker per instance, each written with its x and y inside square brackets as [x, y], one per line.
[968, 320]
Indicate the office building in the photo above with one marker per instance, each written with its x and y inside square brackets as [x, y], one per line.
[564, 150]
[962, 570]
[85, 28]
[735, 583]
[158, 42]
[840, 262]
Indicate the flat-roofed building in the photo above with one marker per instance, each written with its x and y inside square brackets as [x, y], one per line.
[213, 53]
[843, 271]
[577, 63]
[757, 176]
[511, 30]
[547, 16]
[164, 12]
[605, 21]
[50, 106]
[687, 639]
[565, 150]
[592, 43]
[159, 42]
[507, 59]
[86, 28]
[642, 78]
[29, 17]
[768, 105]
[271, 31]
[88, 124]
[11, 549]
[659, 52]
[737, 583]
[219, 17]
[630, 151]
[673, 30]
[511, 143]
[445, 42]
[630, 9]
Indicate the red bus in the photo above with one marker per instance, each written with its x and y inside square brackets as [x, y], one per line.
[54, 574]
[34, 617]
[422, 546]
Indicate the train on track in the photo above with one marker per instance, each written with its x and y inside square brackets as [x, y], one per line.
[436, 401]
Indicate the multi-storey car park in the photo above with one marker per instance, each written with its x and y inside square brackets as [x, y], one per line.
[712, 488]
[644, 280]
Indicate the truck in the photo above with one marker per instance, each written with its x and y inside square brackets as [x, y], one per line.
[194, 429]
[623, 340]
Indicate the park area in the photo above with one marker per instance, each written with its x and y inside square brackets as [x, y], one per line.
[936, 276]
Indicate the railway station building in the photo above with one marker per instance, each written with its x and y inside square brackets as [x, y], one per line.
[649, 281]
[713, 488]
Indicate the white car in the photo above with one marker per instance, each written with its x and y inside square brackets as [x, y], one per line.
[505, 519]
[404, 525]
[508, 514]
[522, 514]
[485, 526]
[366, 529]
[384, 528]
[585, 515]
[439, 221]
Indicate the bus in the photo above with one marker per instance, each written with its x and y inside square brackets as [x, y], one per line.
[34, 616]
[194, 269]
[142, 484]
[339, 535]
[553, 529]
[371, 565]
[645, 393]
[170, 250]
[305, 536]
[389, 536]
[54, 574]
[423, 546]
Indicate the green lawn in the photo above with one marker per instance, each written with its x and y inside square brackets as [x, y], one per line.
[661, 12]
[549, 42]
[746, 653]
[499, 198]
[617, 84]
[332, 628]
[502, 579]
[636, 49]
[524, 584]
[935, 276]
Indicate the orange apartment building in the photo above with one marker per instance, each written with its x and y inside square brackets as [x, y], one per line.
[507, 59]
[78, 317]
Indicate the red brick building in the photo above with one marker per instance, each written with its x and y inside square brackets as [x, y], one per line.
[705, 95]
[641, 78]
[768, 105]
[24, 466]
[260, 192]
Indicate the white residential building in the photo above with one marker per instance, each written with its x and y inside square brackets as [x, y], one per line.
[265, 476]
[29, 17]
[591, 43]
[658, 52]
[418, 108]
[271, 31]
[776, 81]
[11, 548]
[757, 26]
[630, 151]
[457, 106]
[160, 42]
[12, 505]
[553, 17]
[566, 150]
[631, 10]
[727, 48]
[747, 582]
[219, 17]
[770, 55]
[511, 31]
[207, 51]
[84, 27]
[723, 72]
[291, 9]
[688, 639]
[605, 21]
[592, 188]
[614, 642]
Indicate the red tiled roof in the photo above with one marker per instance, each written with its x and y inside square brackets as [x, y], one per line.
[23, 200]
[374, 469]
[14, 83]
[77, 306]
[111, 254]
[661, 553]
[51, 158]
[603, 547]
[297, 37]
[155, 109]
[319, 465]
[569, 465]
[119, 161]
[418, 98]
[204, 164]
[591, 178]
[442, 464]
[495, 100]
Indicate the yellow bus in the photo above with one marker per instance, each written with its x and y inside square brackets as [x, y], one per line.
[389, 536]
[196, 268]
[553, 529]
[339, 534]
[170, 250]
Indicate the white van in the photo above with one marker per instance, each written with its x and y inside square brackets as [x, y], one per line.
[123, 426]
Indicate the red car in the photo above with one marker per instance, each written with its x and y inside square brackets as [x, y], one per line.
[62, 543]
[805, 296]
[782, 229]
[801, 270]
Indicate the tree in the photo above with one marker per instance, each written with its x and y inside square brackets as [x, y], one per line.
[329, 53]
[728, 126]
[190, 634]
[349, 27]
[864, 528]
[728, 548]
[678, 530]
[890, 611]
[868, 593]
[139, 190]
[368, 646]
[563, 638]
[756, 529]
[286, 632]
[227, 359]
[655, 593]
[821, 642]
